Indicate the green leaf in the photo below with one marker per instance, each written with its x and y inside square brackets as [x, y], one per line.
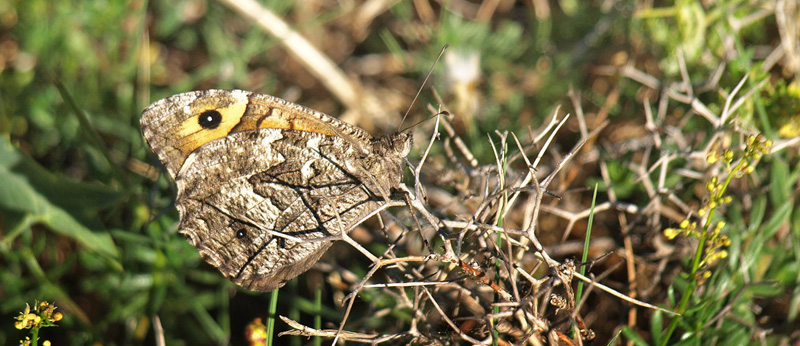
[781, 185]
[778, 219]
[757, 213]
[765, 289]
[631, 335]
[53, 201]
[657, 326]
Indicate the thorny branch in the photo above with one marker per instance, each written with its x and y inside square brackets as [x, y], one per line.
[483, 235]
[491, 278]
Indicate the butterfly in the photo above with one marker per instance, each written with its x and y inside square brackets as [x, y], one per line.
[265, 185]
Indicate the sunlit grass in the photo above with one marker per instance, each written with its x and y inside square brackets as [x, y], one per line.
[87, 216]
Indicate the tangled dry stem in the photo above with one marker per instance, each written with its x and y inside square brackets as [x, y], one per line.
[520, 308]
[525, 296]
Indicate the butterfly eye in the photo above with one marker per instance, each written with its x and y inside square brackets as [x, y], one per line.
[241, 233]
[209, 119]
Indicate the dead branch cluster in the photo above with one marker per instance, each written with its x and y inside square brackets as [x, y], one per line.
[466, 257]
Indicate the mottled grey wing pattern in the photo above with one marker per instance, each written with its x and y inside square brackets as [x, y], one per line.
[263, 183]
[242, 192]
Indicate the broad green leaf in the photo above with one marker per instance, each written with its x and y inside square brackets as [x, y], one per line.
[53, 201]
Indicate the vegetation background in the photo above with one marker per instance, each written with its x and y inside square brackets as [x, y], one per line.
[87, 217]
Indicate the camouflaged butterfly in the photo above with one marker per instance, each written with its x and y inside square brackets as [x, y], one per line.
[263, 183]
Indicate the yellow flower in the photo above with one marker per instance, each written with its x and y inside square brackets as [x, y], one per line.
[671, 233]
[256, 333]
[712, 157]
[728, 155]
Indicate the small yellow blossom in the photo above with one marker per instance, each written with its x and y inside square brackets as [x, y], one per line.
[728, 155]
[713, 243]
[671, 233]
[712, 157]
[42, 315]
[256, 333]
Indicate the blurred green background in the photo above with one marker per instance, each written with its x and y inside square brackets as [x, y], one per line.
[86, 213]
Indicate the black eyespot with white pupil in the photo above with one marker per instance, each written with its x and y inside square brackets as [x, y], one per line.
[209, 119]
[241, 233]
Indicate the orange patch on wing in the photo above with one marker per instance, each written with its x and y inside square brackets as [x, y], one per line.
[190, 135]
[235, 119]
[278, 119]
[312, 125]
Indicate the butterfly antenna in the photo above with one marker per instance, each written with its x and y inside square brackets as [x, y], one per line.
[430, 72]
[442, 113]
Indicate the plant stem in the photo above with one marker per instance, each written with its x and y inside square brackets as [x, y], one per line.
[34, 336]
[273, 304]
[698, 255]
